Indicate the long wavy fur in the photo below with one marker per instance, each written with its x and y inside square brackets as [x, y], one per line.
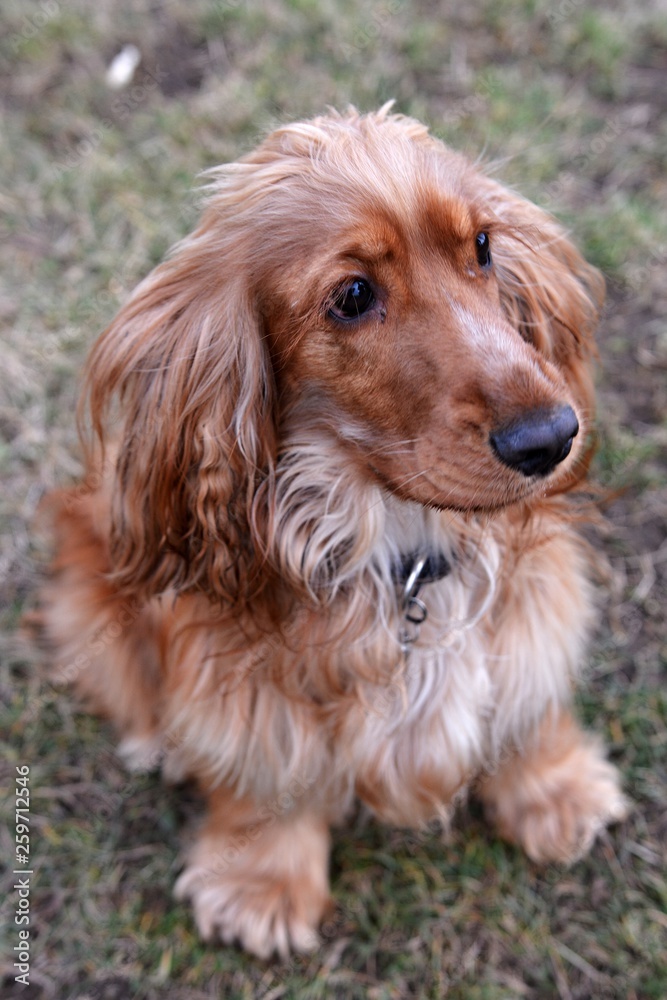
[260, 464]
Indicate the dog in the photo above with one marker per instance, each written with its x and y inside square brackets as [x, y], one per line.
[326, 547]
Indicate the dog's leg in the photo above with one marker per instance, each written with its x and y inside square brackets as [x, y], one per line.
[258, 874]
[102, 643]
[555, 795]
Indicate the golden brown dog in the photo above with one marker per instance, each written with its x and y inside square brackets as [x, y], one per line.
[324, 548]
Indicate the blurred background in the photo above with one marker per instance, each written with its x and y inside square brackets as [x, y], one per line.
[99, 156]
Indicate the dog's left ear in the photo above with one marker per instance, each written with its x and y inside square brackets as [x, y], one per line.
[551, 295]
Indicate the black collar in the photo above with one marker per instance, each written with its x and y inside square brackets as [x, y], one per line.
[436, 567]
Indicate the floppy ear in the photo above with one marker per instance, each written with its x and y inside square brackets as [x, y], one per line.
[549, 292]
[179, 387]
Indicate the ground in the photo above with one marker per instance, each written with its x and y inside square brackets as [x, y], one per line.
[567, 101]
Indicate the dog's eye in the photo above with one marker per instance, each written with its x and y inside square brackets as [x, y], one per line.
[483, 247]
[352, 300]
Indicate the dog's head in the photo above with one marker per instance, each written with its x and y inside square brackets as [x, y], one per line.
[353, 272]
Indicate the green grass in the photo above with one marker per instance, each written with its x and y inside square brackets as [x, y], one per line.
[566, 100]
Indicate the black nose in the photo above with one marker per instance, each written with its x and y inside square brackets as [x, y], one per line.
[538, 441]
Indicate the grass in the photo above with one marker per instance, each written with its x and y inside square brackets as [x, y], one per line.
[565, 98]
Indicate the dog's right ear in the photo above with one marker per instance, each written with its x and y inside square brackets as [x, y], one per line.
[552, 297]
[550, 294]
[179, 391]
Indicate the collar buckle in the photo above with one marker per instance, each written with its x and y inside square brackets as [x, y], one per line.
[415, 571]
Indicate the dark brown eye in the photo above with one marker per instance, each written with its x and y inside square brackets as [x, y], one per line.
[483, 247]
[352, 300]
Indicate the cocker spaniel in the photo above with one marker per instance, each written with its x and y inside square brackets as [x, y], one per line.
[325, 547]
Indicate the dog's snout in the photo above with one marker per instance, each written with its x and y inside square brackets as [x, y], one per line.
[538, 441]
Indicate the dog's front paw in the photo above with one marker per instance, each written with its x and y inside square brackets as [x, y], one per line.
[556, 800]
[561, 822]
[263, 915]
[269, 894]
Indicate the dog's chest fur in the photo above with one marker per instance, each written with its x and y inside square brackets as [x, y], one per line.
[369, 719]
